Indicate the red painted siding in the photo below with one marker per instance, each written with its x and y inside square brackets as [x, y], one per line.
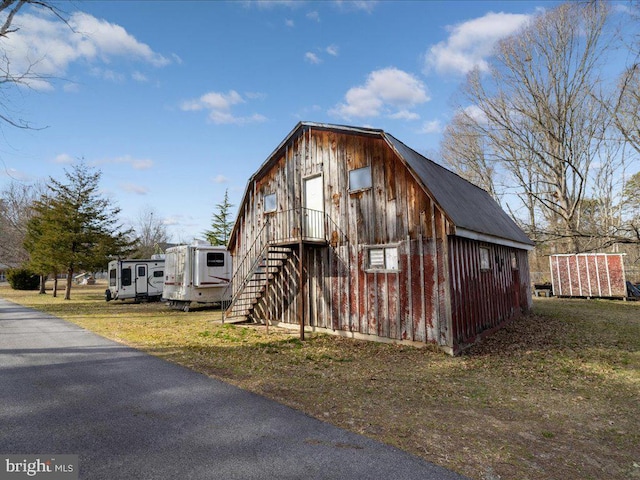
[484, 299]
[588, 275]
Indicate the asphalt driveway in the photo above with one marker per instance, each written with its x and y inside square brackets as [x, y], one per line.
[128, 415]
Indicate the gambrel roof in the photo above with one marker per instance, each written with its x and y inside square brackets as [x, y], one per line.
[473, 212]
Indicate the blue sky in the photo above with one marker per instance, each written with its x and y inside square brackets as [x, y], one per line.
[176, 102]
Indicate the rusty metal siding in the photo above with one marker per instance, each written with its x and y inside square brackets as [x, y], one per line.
[588, 275]
[484, 299]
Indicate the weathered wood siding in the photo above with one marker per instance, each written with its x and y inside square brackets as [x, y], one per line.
[437, 293]
[484, 299]
[588, 275]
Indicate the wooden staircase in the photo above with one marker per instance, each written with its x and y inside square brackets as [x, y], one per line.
[251, 289]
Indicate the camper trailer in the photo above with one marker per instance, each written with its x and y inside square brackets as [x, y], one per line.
[196, 273]
[136, 280]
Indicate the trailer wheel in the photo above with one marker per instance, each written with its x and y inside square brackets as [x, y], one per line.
[107, 295]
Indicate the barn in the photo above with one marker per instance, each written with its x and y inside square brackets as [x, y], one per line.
[347, 230]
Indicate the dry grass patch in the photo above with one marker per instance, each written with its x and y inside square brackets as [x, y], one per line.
[553, 396]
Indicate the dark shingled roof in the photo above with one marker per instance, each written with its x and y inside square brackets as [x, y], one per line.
[467, 205]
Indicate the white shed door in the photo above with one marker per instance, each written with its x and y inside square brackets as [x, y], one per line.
[314, 208]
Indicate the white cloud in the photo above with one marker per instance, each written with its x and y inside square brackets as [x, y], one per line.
[315, 16]
[269, 4]
[64, 158]
[135, 163]
[332, 50]
[139, 77]
[434, 126]
[219, 106]
[48, 46]
[220, 101]
[289, 23]
[133, 188]
[312, 58]
[388, 91]
[220, 179]
[364, 5]
[472, 42]
[104, 39]
[405, 115]
[143, 164]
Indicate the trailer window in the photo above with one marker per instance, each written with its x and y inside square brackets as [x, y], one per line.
[215, 259]
[158, 273]
[485, 263]
[360, 179]
[126, 277]
[112, 278]
[142, 271]
[383, 258]
[270, 203]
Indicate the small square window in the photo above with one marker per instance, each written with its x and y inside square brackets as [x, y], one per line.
[485, 263]
[270, 203]
[383, 258]
[360, 179]
[376, 258]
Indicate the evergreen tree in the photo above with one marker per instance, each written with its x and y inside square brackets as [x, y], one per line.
[221, 224]
[74, 228]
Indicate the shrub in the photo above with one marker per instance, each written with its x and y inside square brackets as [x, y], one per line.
[22, 279]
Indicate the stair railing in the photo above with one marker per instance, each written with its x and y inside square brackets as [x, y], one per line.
[247, 267]
[282, 227]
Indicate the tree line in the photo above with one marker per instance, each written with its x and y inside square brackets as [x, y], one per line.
[67, 227]
[552, 134]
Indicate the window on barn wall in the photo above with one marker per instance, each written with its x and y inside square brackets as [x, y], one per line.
[270, 203]
[383, 258]
[514, 261]
[485, 262]
[360, 179]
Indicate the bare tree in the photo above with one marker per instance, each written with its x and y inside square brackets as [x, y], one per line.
[16, 202]
[150, 232]
[625, 110]
[464, 151]
[543, 112]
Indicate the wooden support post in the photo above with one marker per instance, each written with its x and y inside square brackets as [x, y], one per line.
[301, 284]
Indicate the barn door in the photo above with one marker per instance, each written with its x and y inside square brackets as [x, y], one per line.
[141, 279]
[313, 213]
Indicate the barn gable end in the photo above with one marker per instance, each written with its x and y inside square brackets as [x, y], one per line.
[356, 234]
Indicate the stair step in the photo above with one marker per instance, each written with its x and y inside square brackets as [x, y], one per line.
[254, 285]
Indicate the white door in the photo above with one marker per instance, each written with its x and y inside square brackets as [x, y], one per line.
[141, 279]
[313, 212]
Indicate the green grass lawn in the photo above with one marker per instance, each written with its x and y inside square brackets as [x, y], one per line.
[555, 395]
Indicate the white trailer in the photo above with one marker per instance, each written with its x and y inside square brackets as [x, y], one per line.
[136, 280]
[196, 273]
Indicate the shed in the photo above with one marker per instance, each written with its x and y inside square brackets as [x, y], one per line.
[588, 275]
[346, 230]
